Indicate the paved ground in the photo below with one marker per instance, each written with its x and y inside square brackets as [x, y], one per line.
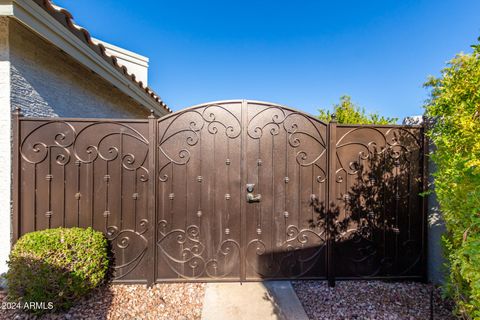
[252, 300]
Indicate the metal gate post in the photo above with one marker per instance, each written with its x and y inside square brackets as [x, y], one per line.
[15, 192]
[331, 203]
[152, 198]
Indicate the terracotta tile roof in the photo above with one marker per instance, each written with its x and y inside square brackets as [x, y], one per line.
[65, 18]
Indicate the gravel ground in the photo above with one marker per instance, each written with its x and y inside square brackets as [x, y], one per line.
[370, 300]
[162, 301]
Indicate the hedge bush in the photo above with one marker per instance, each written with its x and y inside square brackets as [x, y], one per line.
[56, 265]
[455, 111]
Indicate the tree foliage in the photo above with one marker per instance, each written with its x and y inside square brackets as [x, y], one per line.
[454, 107]
[348, 112]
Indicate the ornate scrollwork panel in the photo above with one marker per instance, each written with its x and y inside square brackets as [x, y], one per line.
[89, 174]
[239, 190]
[286, 160]
[198, 187]
[378, 225]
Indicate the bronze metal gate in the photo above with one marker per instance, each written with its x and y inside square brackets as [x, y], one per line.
[230, 191]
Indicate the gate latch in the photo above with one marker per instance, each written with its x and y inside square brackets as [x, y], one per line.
[250, 196]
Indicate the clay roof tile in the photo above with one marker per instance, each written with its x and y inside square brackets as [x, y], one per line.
[66, 19]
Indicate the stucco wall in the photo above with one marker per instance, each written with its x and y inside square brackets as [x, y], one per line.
[5, 149]
[47, 82]
[436, 225]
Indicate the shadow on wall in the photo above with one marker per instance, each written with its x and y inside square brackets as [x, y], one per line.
[377, 225]
[437, 269]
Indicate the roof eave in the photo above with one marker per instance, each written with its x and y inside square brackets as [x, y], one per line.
[45, 25]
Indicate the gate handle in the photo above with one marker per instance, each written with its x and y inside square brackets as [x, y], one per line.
[253, 197]
[250, 196]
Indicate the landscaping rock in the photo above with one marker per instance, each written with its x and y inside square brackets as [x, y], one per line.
[112, 302]
[371, 300]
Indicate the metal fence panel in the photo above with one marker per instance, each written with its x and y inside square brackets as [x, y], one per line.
[229, 191]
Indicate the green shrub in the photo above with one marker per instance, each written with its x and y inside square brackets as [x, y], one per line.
[56, 265]
[455, 111]
[347, 112]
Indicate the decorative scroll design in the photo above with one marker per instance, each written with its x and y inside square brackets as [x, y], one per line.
[187, 126]
[299, 128]
[228, 253]
[296, 145]
[77, 147]
[298, 241]
[35, 149]
[376, 175]
[296, 257]
[185, 255]
[99, 140]
[188, 253]
[128, 243]
[180, 140]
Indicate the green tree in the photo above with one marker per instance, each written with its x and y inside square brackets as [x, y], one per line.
[348, 112]
[454, 109]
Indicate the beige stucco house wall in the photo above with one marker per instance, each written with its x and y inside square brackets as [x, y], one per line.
[47, 82]
[48, 69]
[5, 146]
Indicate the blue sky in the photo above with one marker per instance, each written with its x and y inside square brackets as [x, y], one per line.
[304, 54]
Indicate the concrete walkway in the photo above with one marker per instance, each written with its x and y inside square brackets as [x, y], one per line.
[252, 300]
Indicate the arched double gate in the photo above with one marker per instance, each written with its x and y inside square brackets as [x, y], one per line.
[229, 191]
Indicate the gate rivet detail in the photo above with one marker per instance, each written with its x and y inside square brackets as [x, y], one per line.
[171, 196]
[199, 213]
[49, 177]
[287, 179]
[259, 231]
[77, 162]
[227, 231]
[285, 214]
[48, 214]
[259, 162]
[106, 178]
[227, 162]
[199, 178]
[227, 196]
[106, 213]
[78, 195]
[135, 196]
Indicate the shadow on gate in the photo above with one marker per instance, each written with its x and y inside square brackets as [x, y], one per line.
[377, 223]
